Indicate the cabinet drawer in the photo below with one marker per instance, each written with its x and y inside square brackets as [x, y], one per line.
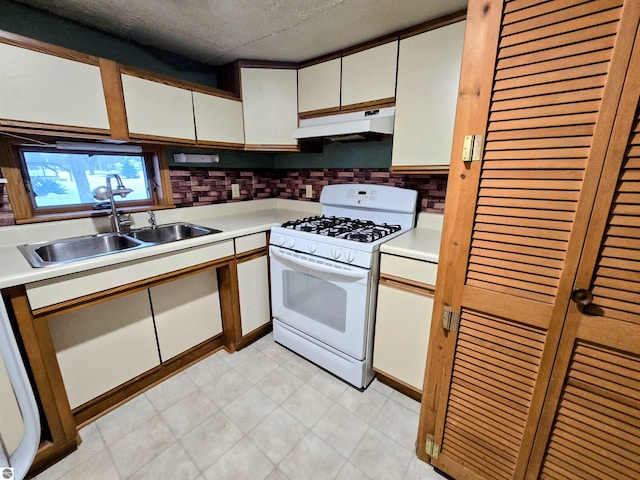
[416, 270]
[250, 242]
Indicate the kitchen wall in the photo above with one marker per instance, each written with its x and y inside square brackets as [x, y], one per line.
[192, 186]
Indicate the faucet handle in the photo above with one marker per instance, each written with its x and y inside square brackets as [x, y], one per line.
[152, 219]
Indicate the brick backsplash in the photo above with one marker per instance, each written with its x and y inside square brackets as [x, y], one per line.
[193, 186]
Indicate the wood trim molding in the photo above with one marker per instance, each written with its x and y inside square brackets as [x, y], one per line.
[420, 169]
[51, 129]
[407, 285]
[402, 387]
[376, 42]
[252, 254]
[162, 140]
[320, 59]
[115, 397]
[476, 79]
[175, 82]
[114, 99]
[370, 105]
[267, 64]
[433, 24]
[230, 305]
[323, 112]
[254, 335]
[221, 145]
[43, 47]
[271, 148]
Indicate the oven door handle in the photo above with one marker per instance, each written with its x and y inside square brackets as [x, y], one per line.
[324, 267]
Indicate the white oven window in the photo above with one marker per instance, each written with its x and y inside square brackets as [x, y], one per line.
[315, 298]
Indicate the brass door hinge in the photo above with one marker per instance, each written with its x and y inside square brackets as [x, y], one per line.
[431, 448]
[450, 319]
[472, 148]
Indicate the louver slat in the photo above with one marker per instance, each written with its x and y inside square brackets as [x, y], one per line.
[598, 407]
[496, 365]
[616, 283]
[538, 142]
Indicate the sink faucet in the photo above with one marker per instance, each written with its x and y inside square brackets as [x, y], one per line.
[152, 219]
[118, 221]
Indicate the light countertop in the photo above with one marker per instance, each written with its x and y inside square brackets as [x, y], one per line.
[420, 243]
[234, 219]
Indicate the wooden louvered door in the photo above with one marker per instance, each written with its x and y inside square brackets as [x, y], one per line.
[556, 92]
[591, 421]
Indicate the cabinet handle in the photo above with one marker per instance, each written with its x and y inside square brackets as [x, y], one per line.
[582, 297]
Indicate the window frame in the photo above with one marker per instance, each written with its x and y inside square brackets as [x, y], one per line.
[25, 210]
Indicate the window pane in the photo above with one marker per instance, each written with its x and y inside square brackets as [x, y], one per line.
[67, 179]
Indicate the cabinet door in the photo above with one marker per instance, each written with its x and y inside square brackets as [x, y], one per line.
[157, 110]
[186, 312]
[270, 105]
[104, 345]
[253, 286]
[370, 75]
[403, 320]
[319, 86]
[40, 88]
[218, 119]
[428, 73]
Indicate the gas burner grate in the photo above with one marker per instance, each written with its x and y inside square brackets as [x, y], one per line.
[364, 231]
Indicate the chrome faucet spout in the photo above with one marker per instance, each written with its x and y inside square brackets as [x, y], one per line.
[102, 193]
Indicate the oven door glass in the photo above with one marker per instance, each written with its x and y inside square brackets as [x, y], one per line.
[324, 299]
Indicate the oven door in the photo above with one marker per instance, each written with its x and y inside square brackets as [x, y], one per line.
[324, 299]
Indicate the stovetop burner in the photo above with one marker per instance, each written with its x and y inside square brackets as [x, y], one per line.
[364, 231]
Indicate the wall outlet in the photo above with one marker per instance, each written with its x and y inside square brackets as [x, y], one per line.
[235, 190]
[308, 192]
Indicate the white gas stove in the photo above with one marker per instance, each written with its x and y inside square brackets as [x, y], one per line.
[324, 275]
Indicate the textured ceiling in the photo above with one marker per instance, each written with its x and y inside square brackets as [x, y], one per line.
[219, 31]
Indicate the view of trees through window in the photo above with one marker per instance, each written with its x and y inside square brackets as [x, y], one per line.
[66, 179]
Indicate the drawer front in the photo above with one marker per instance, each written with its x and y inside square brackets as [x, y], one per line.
[416, 270]
[56, 290]
[251, 242]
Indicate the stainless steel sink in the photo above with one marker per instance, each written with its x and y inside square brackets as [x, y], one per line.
[77, 248]
[171, 232]
[67, 250]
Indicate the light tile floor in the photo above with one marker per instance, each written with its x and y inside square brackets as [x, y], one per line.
[260, 413]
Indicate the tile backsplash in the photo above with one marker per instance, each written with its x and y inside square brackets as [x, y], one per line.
[192, 187]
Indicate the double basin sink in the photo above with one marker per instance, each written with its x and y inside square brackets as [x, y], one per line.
[67, 250]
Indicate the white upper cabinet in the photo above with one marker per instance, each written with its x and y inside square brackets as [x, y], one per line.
[370, 75]
[40, 88]
[270, 105]
[218, 119]
[319, 86]
[156, 109]
[428, 77]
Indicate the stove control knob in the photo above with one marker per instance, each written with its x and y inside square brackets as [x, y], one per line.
[351, 256]
[280, 240]
[336, 253]
[312, 247]
[291, 242]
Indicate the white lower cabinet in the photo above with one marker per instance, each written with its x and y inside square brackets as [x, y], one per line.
[403, 318]
[402, 334]
[104, 345]
[187, 312]
[107, 344]
[253, 286]
[253, 282]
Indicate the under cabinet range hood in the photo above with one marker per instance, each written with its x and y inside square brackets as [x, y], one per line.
[348, 126]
